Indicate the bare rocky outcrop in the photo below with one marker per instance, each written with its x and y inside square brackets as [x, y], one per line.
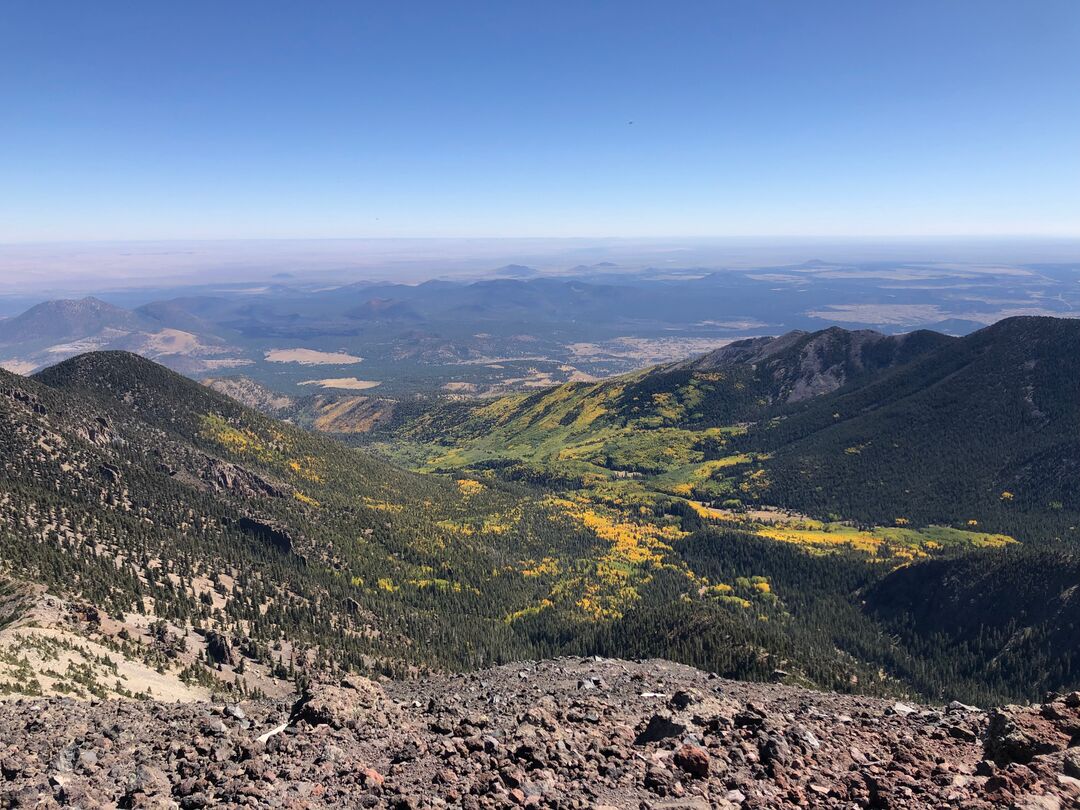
[224, 476]
[357, 703]
[804, 365]
[273, 533]
[219, 648]
[569, 733]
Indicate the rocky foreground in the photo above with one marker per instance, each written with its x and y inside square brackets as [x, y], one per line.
[569, 733]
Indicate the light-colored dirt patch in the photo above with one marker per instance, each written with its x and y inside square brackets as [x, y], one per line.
[311, 357]
[646, 351]
[17, 366]
[345, 383]
[891, 314]
[172, 341]
[577, 375]
[78, 346]
[492, 361]
[50, 651]
[204, 585]
[460, 387]
[764, 514]
[227, 362]
[538, 379]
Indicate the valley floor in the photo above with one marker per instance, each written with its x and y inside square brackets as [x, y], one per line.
[564, 733]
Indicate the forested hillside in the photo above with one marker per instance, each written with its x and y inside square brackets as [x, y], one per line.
[910, 430]
[136, 492]
[633, 517]
[848, 444]
[986, 428]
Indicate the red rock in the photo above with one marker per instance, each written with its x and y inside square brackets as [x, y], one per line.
[693, 760]
[372, 778]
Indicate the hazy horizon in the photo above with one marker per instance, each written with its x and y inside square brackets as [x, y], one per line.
[71, 268]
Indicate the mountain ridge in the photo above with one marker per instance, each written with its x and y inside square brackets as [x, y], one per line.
[67, 318]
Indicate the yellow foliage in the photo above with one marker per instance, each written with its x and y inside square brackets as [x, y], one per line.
[607, 585]
[300, 496]
[456, 527]
[704, 511]
[382, 506]
[529, 611]
[548, 566]
[719, 589]
[305, 468]
[755, 483]
[468, 487]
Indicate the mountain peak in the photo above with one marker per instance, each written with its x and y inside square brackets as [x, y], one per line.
[808, 364]
[159, 394]
[66, 318]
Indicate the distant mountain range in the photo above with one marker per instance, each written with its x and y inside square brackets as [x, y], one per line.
[519, 328]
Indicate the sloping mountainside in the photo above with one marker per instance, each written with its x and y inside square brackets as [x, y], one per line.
[62, 319]
[568, 733]
[985, 428]
[909, 430]
[339, 414]
[651, 420]
[159, 537]
[837, 445]
[989, 613]
[188, 544]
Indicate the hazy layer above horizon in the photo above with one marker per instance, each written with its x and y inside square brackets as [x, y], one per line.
[43, 270]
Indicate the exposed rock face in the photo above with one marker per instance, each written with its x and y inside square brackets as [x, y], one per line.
[534, 735]
[224, 476]
[357, 703]
[219, 648]
[272, 533]
[804, 365]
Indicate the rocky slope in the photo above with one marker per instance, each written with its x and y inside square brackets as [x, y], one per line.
[559, 734]
[326, 413]
[803, 365]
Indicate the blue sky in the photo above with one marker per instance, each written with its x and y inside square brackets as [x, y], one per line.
[207, 120]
